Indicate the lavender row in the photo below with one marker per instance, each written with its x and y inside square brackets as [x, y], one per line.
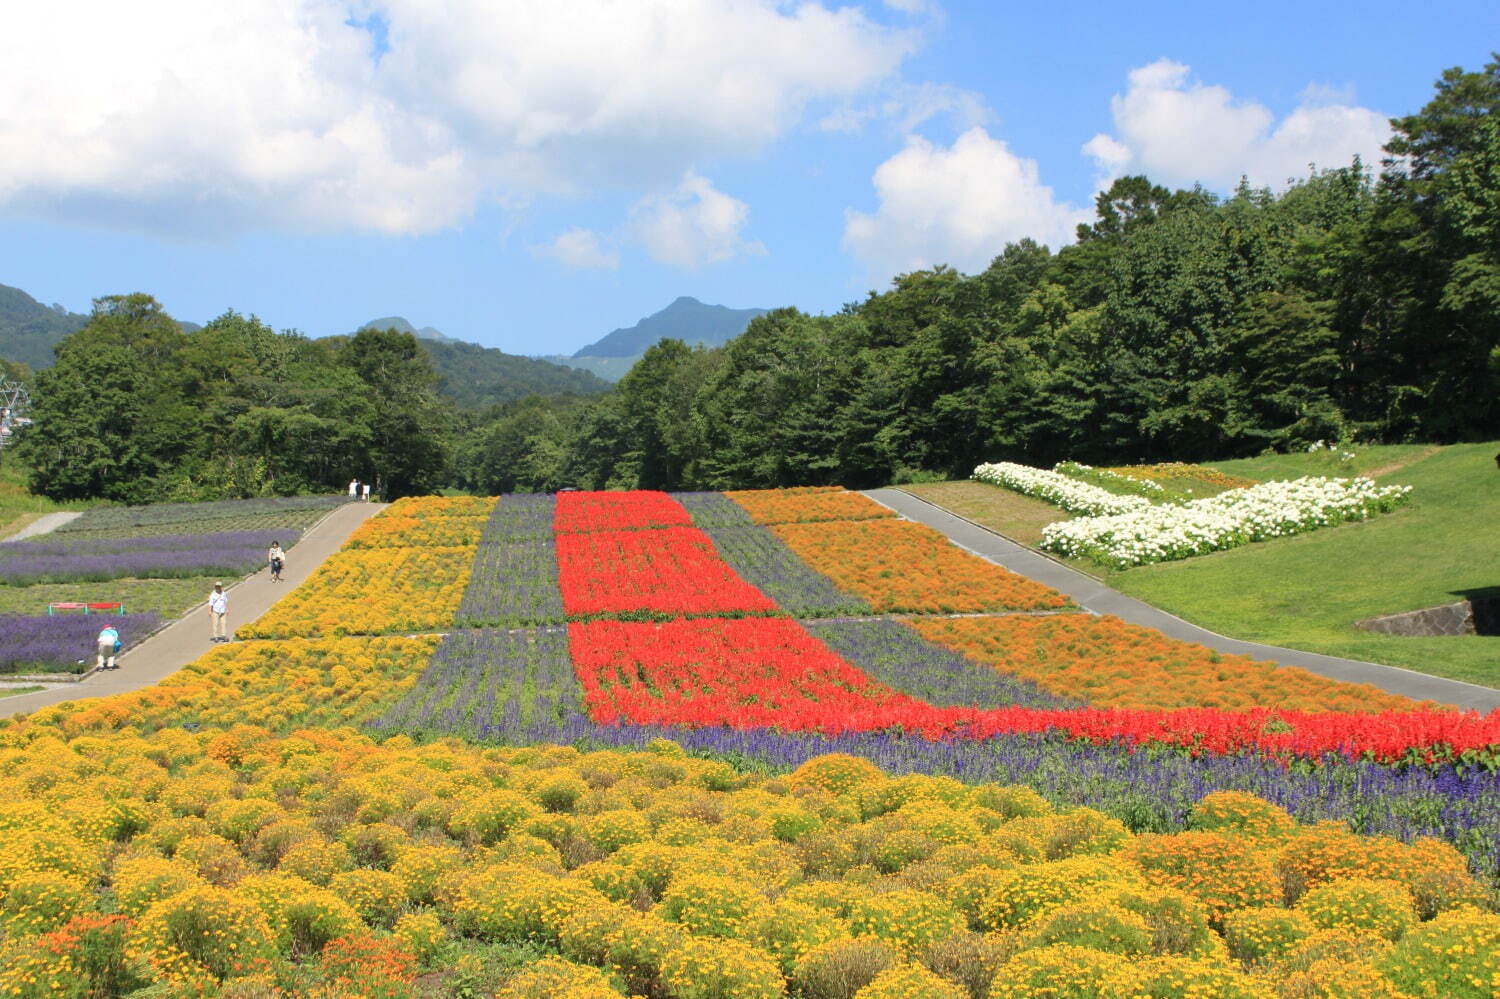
[478, 681]
[520, 517]
[513, 582]
[763, 560]
[710, 510]
[59, 643]
[166, 557]
[109, 517]
[898, 657]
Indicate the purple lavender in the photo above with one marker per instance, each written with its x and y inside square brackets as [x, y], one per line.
[894, 654]
[513, 582]
[57, 643]
[763, 560]
[520, 517]
[116, 517]
[80, 559]
[711, 510]
[477, 681]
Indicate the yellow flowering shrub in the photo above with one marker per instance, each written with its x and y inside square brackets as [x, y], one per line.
[835, 773]
[39, 901]
[908, 920]
[1100, 925]
[139, 882]
[1455, 956]
[429, 507]
[1222, 871]
[387, 531]
[713, 968]
[1023, 893]
[1265, 934]
[1175, 977]
[838, 968]
[1240, 812]
[556, 978]
[1062, 971]
[713, 905]
[203, 934]
[422, 934]
[910, 981]
[378, 896]
[1367, 904]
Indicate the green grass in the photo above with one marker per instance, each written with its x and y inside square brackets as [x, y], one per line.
[1307, 591]
[6, 690]
[18, 507]
[168, 597]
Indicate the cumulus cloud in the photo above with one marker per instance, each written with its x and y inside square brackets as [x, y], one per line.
[180, 113]
[957, 205]
[1179, 131]
[580, 249]
[692, 225]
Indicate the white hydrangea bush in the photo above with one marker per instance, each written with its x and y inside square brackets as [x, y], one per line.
[1058, 489]
[1216, 523]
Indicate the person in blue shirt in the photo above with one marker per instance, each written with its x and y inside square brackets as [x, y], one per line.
[109, 648]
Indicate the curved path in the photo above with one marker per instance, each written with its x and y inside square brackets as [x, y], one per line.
[44, 524]
[1094, 596]
[187, 638]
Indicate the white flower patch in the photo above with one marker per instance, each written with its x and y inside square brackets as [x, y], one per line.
[1228, 520]
[1073, 468]
[1058, 489]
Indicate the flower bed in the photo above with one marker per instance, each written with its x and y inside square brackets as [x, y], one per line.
[581, 512]
[763, 560]
[1230, 519]
[416, 532]
[902, 566]
[521, 517]
[1106, 662]
[751, 673]
[423, 507]
[63, 643]
[297, 510]
[1058, 489]
[802, 506]
[92, 559]
[670, 571]
[373, 591]
[513, 582]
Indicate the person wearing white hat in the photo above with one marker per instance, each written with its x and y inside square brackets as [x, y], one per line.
[218, 612]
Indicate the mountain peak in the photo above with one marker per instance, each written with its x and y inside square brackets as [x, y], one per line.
[686, 319]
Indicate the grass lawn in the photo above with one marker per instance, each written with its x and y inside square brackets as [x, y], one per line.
[1307, 591]
[168, 597]
[18, 507]
[7, 690]
[1018, 517]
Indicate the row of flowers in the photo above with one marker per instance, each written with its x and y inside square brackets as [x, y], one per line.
[85, 558]
[1058, 489]
[323, 863]
[1107, 662]
[1232, 518]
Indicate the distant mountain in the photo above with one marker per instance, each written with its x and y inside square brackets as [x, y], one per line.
[686, 319]
[29, 330]
[475, 376]
[611, 369]
[400, 324]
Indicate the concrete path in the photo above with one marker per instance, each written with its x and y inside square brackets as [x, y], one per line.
[1092, 595]
[44, 524]
[186, 639]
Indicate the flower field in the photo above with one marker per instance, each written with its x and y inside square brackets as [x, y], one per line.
[83, 558]
[40, 642]
[1124, 529]
[850, 806]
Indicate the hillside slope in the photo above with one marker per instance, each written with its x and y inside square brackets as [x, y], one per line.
[29, 330]
[686, 319]
[476, 376]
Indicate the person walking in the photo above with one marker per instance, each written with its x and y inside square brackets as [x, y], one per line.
[364, 488]
[354, 489]
[109, 647]
[277, 558]
[218, 612]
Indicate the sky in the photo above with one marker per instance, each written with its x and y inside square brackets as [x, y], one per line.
[530, 174]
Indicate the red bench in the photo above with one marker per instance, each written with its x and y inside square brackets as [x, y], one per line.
[87, 608]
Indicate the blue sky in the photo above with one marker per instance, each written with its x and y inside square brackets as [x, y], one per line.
[530, 175]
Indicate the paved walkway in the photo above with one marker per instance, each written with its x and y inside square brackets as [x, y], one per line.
[44, 524]
[1092, 595]
[186, 639]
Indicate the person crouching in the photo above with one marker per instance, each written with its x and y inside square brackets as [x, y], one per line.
[109, 648]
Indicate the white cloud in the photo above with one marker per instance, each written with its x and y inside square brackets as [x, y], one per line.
[908, 106]
[1178, 131]
[581, 249]
[693, 225]
[179, 114]
[957, 205]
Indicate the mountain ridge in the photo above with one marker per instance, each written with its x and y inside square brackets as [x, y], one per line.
[686, 319]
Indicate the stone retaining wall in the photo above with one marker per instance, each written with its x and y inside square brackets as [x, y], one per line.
[1466, 617]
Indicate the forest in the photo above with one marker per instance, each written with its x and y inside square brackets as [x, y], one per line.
[1360, 303]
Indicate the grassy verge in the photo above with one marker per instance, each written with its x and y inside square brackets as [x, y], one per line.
[18, 507]
[6, 690]
[1018, 517]
[1307, 591]
[167, 597]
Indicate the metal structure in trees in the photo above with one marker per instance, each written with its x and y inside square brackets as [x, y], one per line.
[14, 401]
